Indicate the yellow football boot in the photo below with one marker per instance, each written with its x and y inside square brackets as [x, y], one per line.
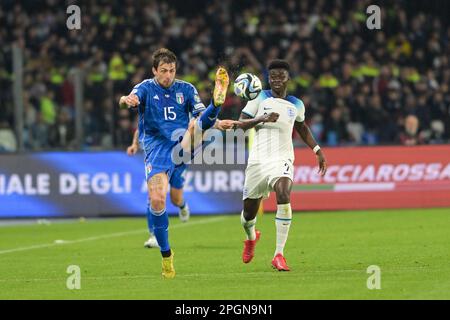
[221, 86]
[168, 271]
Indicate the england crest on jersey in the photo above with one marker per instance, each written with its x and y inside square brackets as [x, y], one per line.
[291, 114]
[180, 98]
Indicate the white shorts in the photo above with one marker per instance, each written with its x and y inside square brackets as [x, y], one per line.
[260, 178]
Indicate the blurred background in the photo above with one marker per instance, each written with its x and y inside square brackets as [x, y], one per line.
[360, 86]
[378, 101]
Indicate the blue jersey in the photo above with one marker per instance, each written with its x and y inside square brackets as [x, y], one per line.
[164, 115]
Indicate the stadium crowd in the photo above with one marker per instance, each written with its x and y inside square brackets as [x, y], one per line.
[360, 86]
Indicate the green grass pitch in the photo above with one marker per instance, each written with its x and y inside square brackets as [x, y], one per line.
[328, 253]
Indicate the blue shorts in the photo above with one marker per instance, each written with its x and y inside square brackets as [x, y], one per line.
[158, 159]
[176, 174]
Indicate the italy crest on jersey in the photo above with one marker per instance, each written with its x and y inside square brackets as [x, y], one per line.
[180, 97]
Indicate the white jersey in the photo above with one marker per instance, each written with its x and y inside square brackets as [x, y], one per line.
[273, 141]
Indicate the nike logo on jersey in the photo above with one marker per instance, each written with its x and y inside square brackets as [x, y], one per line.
[156, 97]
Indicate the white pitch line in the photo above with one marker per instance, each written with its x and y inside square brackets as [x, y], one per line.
[107, 236]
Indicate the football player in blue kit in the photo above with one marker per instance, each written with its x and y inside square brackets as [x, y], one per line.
[164, 105]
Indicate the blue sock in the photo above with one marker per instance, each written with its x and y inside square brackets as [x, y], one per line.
[150, 223]
[208, 117]
[161, 225]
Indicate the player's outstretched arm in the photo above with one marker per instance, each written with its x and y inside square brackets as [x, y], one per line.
[225, 124]
[306, 135]
[245, 122]
[129, 101]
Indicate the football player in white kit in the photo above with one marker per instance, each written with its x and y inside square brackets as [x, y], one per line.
[274, 114]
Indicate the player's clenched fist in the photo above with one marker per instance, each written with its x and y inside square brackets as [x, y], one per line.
[129, 101]
[132, 150]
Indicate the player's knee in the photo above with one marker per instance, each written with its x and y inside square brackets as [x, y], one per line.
[283, 196]
[158, 205]
[250, 214]
[158, 201]
[187, 141]
[283, 191]
[191, 126]
[250, 209]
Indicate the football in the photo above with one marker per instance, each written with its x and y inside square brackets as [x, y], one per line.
[247, 86]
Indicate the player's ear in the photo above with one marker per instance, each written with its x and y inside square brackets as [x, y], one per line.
[154, 70]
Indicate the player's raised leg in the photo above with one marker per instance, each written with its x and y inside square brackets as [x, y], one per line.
[157, 187]
[207, 119]
[248, 221]
[283, 220]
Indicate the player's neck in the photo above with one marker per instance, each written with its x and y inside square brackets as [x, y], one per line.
[159, 84]
[280, 95]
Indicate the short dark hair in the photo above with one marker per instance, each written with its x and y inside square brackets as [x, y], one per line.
[163, 55]
[279, 64]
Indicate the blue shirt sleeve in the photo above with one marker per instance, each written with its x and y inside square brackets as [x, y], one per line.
[195, 104]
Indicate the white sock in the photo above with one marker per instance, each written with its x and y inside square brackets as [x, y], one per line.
[282, 223]
[249, 227]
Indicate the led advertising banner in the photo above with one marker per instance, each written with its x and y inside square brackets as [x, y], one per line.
[105, 183]
[371, 178]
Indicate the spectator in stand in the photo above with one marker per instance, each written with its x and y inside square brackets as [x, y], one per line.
[62, 133]
[8, 141]
[410, 136]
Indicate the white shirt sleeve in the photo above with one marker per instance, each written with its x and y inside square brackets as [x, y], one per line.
[251, 108]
